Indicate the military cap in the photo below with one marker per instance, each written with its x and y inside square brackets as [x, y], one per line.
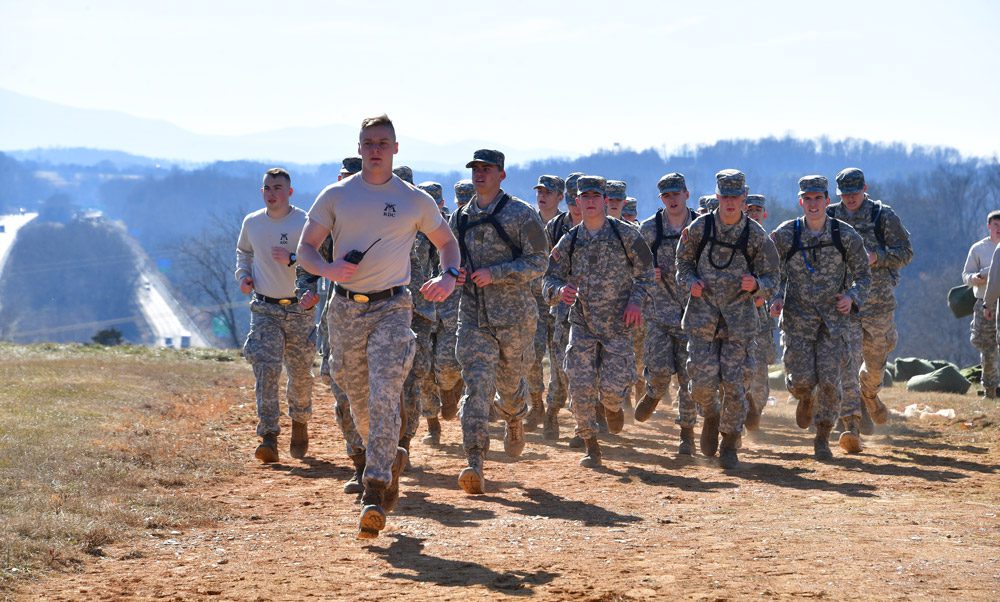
[813, 184]
[756, 200]
[571, 183]
[850, 181]
[708, 202]
[672, 182]
[730, 182]
[433, 189]
[464, 191]
[350, 166]
[485, 155]
[553, 183]
[589, 183]
[615, 189]
[631, 207]
[404, 173]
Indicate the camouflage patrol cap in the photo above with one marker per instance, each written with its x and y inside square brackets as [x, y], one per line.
[350, 166]
[553, 183]
[464, 191]
[404, 173]
[485, 155]
[672, 182]
[434, 189]
[850, 180]
[730, 182]
[708, 201]
[756, 200]
[615, 189]
[631, 207]
[571, 183]
[591, 183]
[813, 184]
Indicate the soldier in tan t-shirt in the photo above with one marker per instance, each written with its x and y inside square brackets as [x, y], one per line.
[374, 217]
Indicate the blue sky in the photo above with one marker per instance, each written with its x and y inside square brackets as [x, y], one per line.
[572, 76]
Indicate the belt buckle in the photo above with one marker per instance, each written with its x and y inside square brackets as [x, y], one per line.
[359, 298]
[284, 301]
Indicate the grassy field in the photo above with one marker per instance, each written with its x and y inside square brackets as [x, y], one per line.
[94, 443]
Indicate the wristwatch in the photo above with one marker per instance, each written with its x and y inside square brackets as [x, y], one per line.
[292, 257]
[453, 272]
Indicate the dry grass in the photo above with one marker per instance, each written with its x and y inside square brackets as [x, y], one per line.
[95, 444]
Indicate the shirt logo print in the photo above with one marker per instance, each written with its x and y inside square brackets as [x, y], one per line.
[284, 238]
[390, 210]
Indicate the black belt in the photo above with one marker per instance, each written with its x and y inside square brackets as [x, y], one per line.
[367, 297]
[275, 301]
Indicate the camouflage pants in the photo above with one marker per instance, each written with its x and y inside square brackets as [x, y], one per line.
[493, 366]
[666, 354]
[370, 363]
[447, 371]
[638, 347]
[984, 338]
[599, 371]
[323, 340]
[419, 391]
[281, 334]
[812, 372]
[720, 366]
[558, 384]
[850, 384]
[543, 336]
[353, 442]
[758, 387]
[878, 339]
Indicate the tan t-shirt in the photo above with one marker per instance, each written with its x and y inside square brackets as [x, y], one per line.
[358, 213]
[253, 251]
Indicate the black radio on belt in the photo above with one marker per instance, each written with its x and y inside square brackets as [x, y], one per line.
[355, 256]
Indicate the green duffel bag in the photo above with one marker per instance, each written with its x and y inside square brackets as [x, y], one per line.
[941, 364]
[961, 301]
[908, 367]
[973, 374]
[943, 380]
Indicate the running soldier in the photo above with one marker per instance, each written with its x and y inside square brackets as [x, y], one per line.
[666, 342]
[984, 331]
[759, 389]
[586, 272]
[616, 200]
[503, 249]
[463, 193]
[824, 278]
[549, 192]
[723, 258]
[282, 323]
[374, 219]
[873, 334]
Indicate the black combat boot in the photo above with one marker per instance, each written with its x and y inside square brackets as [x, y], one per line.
[593, 457]
[686, 448]
[354, 484]
[821, 444]
[644, 409]
[299, 444]
[727, 452]
[710, 436]
[267, 451]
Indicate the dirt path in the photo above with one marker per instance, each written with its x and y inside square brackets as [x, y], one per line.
[915, 517]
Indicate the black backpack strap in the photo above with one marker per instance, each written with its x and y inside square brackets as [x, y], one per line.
[572, 246]
[618, 234]
[743, 244]
[830, 211]
[708, 234]
[878, 222]
[659, 236]
[837, 240]
[464, 225]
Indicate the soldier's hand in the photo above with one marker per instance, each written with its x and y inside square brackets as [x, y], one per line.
[633, 315]
[341, 271]
[697, 287]
[482, 277]
[872, 257]
[308, 300]
[568, 294]
[281, 255]
[776, 308]
[978, 280]
[988, 313]
[438, 289]
[659, 274]
[758, 301]
[844, 303]
[246, 285]
[461, 277]
[748, 283]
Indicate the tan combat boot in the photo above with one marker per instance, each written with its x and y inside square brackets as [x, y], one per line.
[299, 444]
[710, 436]
[644, 409]
[551, 429]
[433, 436]
[513, 438]
[353, 485]
[821, 444]
[850, 439]
[471, 479]
[267, 451]
[536, 414]
[593, 457]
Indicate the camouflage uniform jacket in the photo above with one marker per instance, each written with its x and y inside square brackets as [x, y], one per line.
[723, 299]
[812, 278]
[669, 298]
[423, 261]
[606, 278]
[508, 299]
[536, 284]
[890, 258]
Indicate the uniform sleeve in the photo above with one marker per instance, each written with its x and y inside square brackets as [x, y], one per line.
[897, 252]
[972, 267]
[858, 271]
[687, 246]
[643, 276]
[430, 218]
[244, 254]
[557, 273]
[534, 253]
[304, 281]
[321, 211]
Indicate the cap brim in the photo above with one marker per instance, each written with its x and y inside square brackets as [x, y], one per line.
[671, 189]
[849, 191]
[474, 161]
